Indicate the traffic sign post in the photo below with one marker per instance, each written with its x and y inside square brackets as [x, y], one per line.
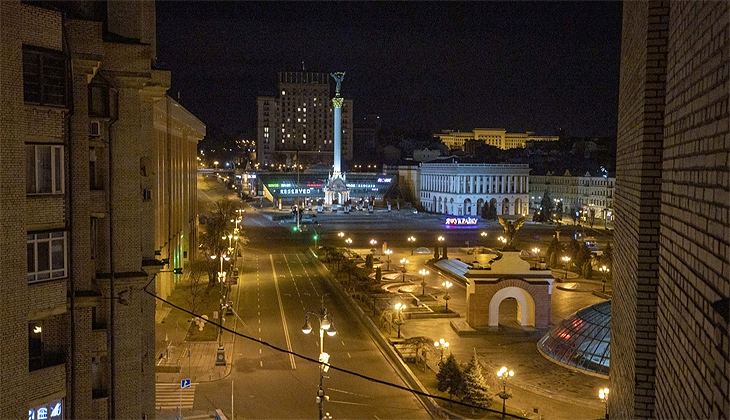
[184, 383]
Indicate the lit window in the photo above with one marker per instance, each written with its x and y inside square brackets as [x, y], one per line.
[283, 92]
[46, 256]
[304, 141]
[44, 169]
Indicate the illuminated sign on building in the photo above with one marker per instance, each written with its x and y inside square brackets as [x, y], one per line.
[384, 180]
[292, 191]
[461, 221]
[50, 411]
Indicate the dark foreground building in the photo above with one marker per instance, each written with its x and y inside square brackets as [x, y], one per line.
[669, 326]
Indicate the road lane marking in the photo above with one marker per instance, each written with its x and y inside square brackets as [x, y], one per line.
[283, 316]
[348, 355]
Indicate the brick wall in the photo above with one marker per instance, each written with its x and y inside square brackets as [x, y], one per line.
[693, 361]
[638, 182]
[669, 347]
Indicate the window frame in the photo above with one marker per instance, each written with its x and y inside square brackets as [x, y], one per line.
[52, 274]
[58, 186]
[44, 76]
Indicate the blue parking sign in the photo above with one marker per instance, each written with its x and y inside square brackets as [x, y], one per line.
[185, 383]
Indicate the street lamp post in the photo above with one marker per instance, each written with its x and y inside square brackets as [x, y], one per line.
[412, 239]
[221, 280]
[325, 325]
[441, 345]
[403, 262]
[348, 241]
[388, 252]
[504, 374]
[423, 272]
[536, 251]
[566, 260]
[603, 395]
[446, 286]
[605, 270]
[484, 235]
[399, 311]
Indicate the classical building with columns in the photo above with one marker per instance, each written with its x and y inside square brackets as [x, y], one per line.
[97, 189]
[461, 189]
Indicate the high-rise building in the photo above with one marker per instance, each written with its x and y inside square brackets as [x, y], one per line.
[670, 347]
[91, 150]
[295, 127]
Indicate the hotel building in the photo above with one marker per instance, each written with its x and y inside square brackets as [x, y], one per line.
[296, 126]
[97, 190]
[581, 193]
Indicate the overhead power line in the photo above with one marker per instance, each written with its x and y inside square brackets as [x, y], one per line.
[333, 367]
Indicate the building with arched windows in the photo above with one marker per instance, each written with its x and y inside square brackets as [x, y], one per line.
[462, 189]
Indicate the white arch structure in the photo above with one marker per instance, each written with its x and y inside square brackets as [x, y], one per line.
[525, 306]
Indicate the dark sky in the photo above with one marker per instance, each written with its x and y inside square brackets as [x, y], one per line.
[437, 65]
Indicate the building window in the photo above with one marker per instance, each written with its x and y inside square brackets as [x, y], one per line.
[46, 256]
[94, 178]
[44, 77]
[98, 101]
[44, 169]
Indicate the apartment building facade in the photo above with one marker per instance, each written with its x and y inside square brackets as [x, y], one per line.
[296, 126]
[79, 237]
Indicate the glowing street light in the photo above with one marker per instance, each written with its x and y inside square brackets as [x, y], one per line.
[536, 252]
[441, 345]
[399, 319]
[446, 286]
[388, 252]
[604, 270]
[403, 262]
[325, 325]
[412, 239]
[423, 272]
[441, 239]
[216, 165]
[373, 242]
[566, 260]
[341, 234]
[603, 395]
[504, 374]
[348, 241]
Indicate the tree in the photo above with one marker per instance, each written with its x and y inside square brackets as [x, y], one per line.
[591, 217]
[446, 252]
[378, 275]
[196, 282]
[553, 252]
[449, 376]
[559, 211]
[546, 207]
[574, 215]
[489, 211]
[436, 252]
[474, 387]
[369, 261]
[218, 226]
[587, 270]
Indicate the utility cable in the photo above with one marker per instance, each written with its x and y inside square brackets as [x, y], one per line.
[339, 369]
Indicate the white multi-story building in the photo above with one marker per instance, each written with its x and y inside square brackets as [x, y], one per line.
[497, 137]
[578, 193]
[461, 189]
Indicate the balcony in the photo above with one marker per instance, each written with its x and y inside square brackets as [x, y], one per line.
[49, 378]
[47, 359]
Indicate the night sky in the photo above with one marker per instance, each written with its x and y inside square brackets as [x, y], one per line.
[425, 66]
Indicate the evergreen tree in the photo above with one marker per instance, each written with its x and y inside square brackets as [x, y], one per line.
[449, 376]
[587, 270]
[378, 275]
[475, 390]
[446, 252]
[553, 252]
[436, 252]
[492, 211]
[546, 207]
[369, 261]
[559, 211]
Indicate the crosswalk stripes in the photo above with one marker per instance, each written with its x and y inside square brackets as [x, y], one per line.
[168, 396]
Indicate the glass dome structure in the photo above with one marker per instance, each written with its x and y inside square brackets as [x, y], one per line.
[582, 340]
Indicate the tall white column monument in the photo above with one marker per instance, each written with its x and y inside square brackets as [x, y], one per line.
[336, 191]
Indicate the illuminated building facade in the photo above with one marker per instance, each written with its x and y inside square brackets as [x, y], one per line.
[461, 189]
[581, 193]
[497, 137]
[296, 126]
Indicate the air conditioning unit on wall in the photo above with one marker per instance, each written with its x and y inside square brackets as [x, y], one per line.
[94, 129]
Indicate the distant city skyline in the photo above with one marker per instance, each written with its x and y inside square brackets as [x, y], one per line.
[423, 66]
